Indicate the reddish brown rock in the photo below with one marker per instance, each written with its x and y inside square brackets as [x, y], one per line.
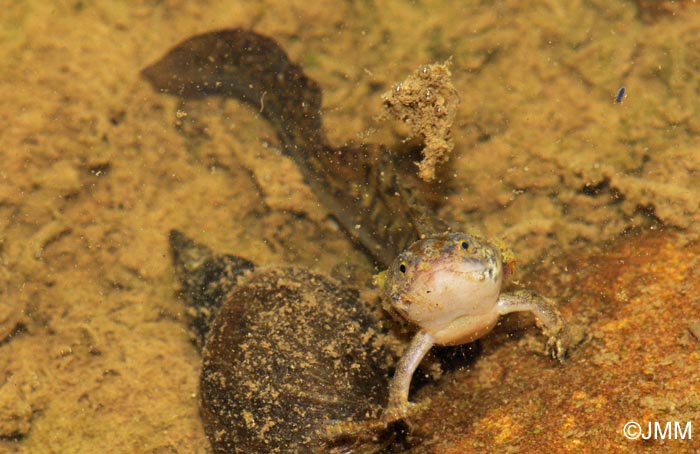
[634, 309]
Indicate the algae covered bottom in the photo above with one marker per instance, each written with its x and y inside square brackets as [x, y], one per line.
[97, 168]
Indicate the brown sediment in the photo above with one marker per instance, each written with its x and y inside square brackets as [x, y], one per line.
[543, 157]
[656, 9]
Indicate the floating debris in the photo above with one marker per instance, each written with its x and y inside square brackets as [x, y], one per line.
[620, 94]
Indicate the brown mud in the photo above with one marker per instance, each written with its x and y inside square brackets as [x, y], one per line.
[96, 168]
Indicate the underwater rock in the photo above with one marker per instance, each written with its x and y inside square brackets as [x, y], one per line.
[290, 360]
[635, 302]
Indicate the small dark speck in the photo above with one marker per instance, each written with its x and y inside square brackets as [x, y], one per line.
[620, 94]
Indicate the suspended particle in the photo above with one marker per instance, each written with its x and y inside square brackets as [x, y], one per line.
[620, 94]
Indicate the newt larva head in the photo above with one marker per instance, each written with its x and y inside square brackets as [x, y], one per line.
[448, 285]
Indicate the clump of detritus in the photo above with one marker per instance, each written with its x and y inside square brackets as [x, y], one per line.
[427, 102]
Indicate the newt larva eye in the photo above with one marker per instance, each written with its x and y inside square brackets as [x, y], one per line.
[402, 268]
[465, 245]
